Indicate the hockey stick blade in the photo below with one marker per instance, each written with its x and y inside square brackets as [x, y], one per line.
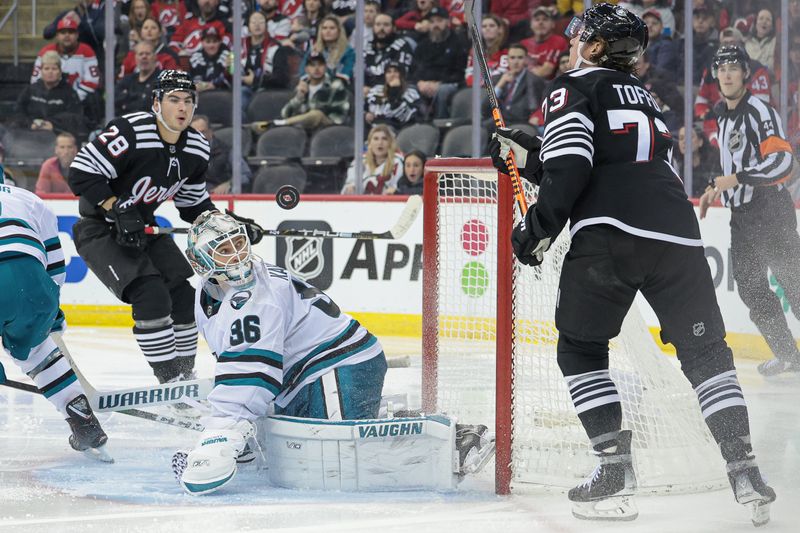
[400, 228]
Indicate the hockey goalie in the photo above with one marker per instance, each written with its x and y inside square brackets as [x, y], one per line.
[285, 349]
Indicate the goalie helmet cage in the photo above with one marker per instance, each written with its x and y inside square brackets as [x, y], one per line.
[489, 350]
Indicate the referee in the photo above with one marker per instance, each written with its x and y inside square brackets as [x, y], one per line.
[757, 163]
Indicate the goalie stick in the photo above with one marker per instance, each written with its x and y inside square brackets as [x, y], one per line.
[497, 115]
[403, 224]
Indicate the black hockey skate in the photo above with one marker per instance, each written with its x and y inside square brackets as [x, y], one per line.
[776, 366]
[475, 445]
[750, 490]
[87, 435]
[607, 494]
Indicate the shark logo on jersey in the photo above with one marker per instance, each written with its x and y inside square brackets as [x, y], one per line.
[240, 298]
[304, 257]
[734, 141]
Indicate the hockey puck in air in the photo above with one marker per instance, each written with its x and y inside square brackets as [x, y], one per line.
[287, 197]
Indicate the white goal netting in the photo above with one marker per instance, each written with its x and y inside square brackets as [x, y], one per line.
[673, 450]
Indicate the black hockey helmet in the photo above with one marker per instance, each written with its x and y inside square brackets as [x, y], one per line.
[169, 81]
[624, 34]
[730, 55]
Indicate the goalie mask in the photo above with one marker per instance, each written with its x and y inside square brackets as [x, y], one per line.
[218, 247]
[624, 34]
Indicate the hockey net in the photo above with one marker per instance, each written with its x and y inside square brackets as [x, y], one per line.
[489, 350]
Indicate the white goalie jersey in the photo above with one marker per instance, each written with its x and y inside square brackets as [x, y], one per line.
[27, 226]
[274, 338]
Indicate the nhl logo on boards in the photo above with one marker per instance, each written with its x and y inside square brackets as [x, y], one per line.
[699, 329]
[240, 298]
[734, 141]
[307, 258]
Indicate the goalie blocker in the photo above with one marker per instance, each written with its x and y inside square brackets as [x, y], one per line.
[409, 453]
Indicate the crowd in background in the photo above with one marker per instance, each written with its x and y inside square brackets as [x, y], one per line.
[417, 58]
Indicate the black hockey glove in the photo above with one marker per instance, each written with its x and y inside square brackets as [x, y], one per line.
[528, 247]
[128, 225]
[254, 231]
[526, 152]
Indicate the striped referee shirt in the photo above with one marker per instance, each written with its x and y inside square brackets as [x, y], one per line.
[753, 146]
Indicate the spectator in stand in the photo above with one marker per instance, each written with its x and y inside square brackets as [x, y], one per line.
[52, 175]
[663, 50]
[662, 7]
[439, 63]
[563, 63]
[794, 64]
[50, 103]
[267, 61]
[382, 165]
[187, 38]
[78, 61]
[545, 45]
[760, 45]
[90, 18]
[705, 159]
[515, 13]
[319, 100]
[705, 40]
[411, 181]
[494, 32]
[134, 92]
[384, 47]
[170, 14]
[332, 44]
[794, 17]
[759, 84]
[314, 11]
[165, 57]
[279, 26]
[394, 102]
[140, 10]
[414, 23]
[220, 164]
[371, 10]
[210, 65]
[519, 91]
[660, 80]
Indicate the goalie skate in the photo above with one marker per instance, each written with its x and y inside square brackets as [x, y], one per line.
[607, 494]
[475, 445]
[212, 464]
[87, 436]
[751, 491]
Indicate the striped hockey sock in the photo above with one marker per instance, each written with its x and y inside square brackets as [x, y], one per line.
[598, 406]
[186, 346]
[57, 381]
[158, 346]
[725, 411]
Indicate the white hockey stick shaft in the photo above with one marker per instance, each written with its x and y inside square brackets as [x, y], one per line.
[136, 397]
[400, 228]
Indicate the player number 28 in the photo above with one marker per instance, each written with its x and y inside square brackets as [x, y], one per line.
[116, 145]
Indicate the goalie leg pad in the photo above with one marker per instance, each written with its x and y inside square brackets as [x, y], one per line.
[362, 455]
[212, 463]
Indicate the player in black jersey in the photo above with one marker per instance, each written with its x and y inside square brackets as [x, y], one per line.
[757, 162]
[605, 166]
[139, 161]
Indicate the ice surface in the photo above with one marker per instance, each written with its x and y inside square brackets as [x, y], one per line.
[45, 486]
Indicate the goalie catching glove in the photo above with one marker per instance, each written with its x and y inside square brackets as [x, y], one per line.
[529, 240]
[525, 148]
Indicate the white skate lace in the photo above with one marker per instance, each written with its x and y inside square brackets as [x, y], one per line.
[591, 479]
